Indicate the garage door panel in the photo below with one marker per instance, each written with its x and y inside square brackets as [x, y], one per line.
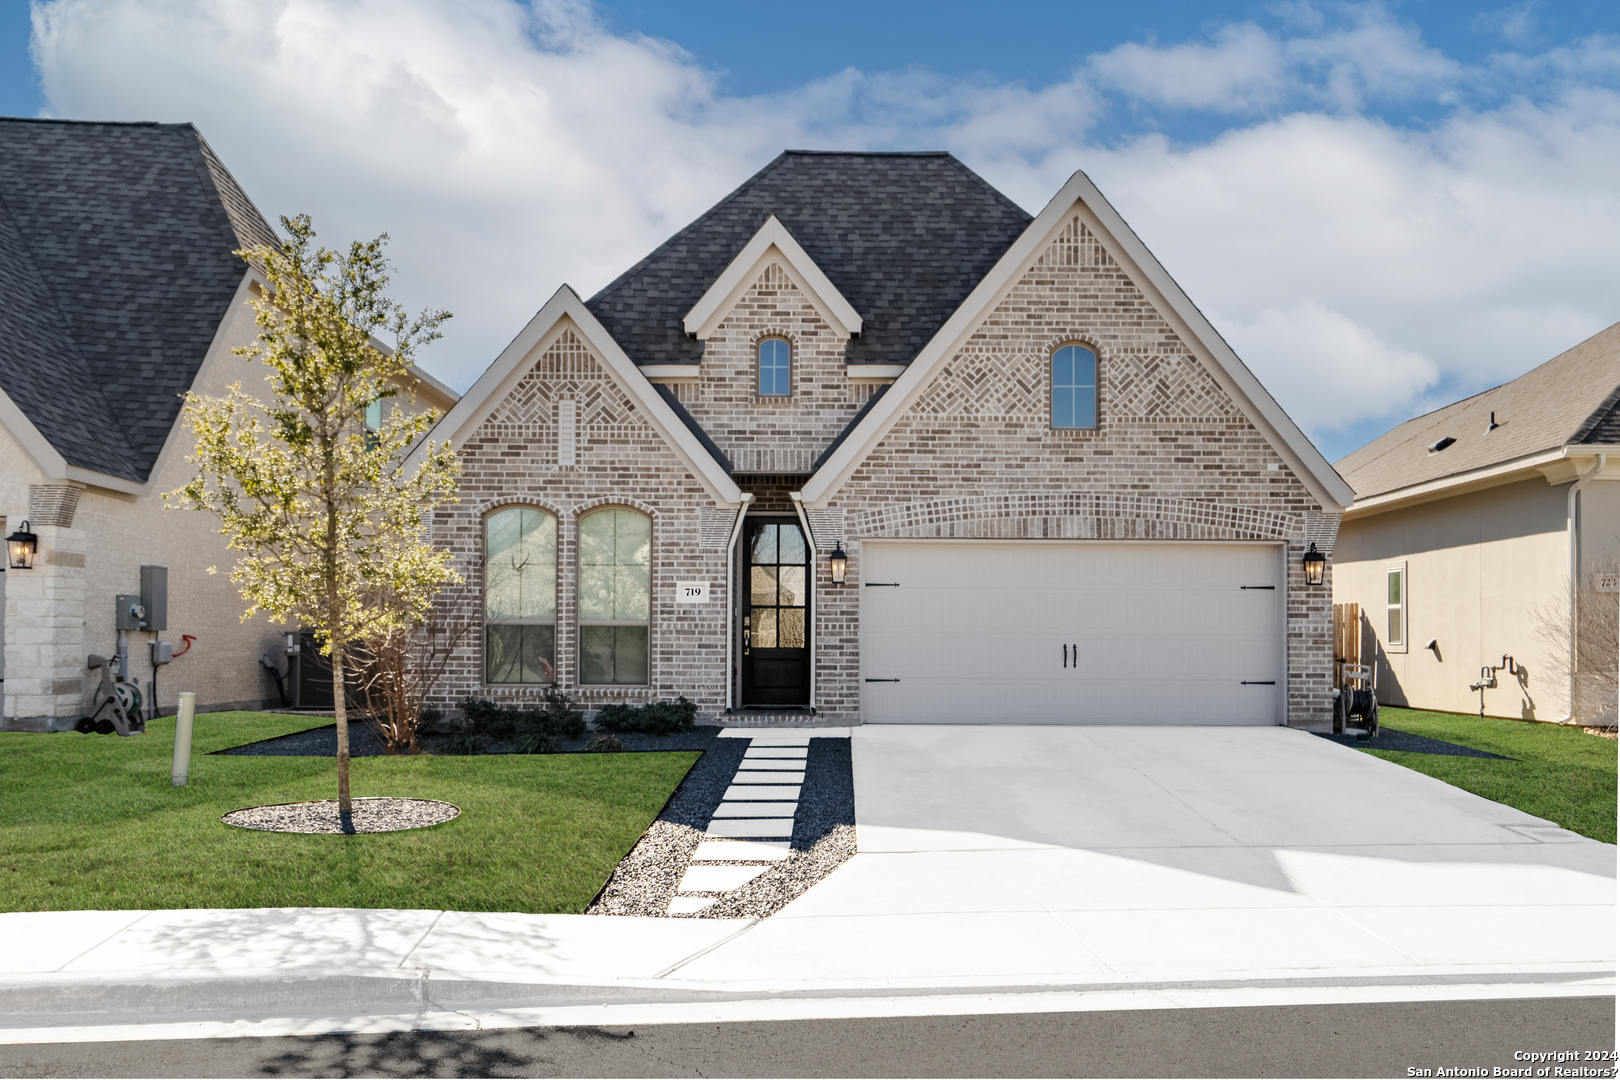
[1159, 633]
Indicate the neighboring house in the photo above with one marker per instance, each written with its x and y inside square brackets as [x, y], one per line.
[120, 293]
[1471, 529]
[1052, 492]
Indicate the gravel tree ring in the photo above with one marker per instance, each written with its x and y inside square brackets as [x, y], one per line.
[371, 815]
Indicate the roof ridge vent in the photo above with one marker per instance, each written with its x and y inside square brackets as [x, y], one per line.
[1440, 444]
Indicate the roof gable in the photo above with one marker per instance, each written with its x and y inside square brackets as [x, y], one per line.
[902, 237]
[773, 243]
[563, 311]
[1080, 196]
[128, 230]
[1570, 399]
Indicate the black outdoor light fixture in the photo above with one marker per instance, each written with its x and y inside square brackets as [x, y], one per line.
[1315, 562]
[20, 548]
[839, 563]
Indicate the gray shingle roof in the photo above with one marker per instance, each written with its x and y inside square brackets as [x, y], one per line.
[1570, 399]
[904, 237]
[115, 254]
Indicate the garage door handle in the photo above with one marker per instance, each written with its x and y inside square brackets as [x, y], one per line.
[1270, 588]
[882, 584]
[1258, 682]
[882, 680]
[1065, 656]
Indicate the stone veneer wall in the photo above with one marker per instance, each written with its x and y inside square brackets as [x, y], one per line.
[1172, 458]
[512, 459]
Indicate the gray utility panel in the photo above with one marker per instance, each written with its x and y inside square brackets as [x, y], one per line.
[155, 596]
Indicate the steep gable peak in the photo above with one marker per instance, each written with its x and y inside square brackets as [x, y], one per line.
[772, 244]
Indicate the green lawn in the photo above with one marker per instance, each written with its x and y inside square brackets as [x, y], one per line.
[1563, 774]
[92, 821]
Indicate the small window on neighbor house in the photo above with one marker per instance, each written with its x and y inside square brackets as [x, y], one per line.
[615, 596]
[520, 596]
[374, 415]
[1395, 637]
[775, 368]
[1074, 388]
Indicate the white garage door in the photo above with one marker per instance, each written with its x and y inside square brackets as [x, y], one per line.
[1040, 632]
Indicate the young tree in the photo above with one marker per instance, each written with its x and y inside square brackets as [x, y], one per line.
[319, 504]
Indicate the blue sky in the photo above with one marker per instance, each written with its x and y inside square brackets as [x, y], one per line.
[1384, 206]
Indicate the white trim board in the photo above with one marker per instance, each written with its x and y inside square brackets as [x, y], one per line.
[772, 243]
[566, 310]
[1145, 271]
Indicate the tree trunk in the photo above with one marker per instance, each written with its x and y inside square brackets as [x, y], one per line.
[341, 712]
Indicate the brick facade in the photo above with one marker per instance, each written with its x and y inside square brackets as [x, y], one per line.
[1173, 458]
[512, 459]
[773, 434]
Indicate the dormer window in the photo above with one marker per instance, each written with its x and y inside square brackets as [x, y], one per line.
[775, 368]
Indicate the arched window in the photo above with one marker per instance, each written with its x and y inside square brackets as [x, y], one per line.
[615, 596]
[1074, 387]
[520, 596]
[775, 368]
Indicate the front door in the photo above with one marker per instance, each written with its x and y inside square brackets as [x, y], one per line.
[775, 627]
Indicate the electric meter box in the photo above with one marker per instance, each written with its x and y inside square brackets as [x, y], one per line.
[130, 614]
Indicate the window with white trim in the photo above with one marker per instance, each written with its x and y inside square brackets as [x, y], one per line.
[520, 596]
[1074, 387]
[1395, 624]
[775, 368]
[615, 597]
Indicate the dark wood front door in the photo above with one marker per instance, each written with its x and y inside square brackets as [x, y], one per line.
[775, 618]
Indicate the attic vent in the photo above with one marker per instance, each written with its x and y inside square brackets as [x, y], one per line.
[1436, 447]
[567, 433]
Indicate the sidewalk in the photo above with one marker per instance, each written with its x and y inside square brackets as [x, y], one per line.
[1072, 870]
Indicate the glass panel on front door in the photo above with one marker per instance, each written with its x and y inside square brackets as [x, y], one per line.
[776, 647]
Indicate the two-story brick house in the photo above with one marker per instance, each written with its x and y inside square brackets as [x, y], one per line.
[868, 439]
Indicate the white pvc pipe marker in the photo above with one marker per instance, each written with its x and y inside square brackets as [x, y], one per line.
[182, 738]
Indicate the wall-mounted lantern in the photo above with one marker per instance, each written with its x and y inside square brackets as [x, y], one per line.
[839, 562]
[21, 547]
[1314, 562]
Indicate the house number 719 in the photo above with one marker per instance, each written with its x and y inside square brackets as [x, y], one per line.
[691, 592]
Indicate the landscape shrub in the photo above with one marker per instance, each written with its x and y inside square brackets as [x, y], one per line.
[529, 731]
[657, 718]
[605, 744]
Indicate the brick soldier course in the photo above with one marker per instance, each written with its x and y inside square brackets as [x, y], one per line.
[931, 421]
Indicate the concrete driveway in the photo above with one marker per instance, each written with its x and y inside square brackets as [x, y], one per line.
[1220, 857]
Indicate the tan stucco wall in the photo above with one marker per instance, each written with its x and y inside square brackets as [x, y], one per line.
[62, 610]
[1478, 565]
[116, 534]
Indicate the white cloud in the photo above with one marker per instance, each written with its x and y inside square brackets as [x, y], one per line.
[1331, 368]
[1243, 69]
[510, 148]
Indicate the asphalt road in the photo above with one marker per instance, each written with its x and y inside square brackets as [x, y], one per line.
[1310, 1040]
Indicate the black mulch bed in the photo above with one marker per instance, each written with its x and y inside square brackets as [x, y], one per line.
[827, 799]
[1390, 739]
[364, 742]
[704, 788]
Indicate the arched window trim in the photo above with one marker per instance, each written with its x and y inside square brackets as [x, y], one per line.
[1067, 400]
[590, 647]
[506, 653]
[781, 381]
